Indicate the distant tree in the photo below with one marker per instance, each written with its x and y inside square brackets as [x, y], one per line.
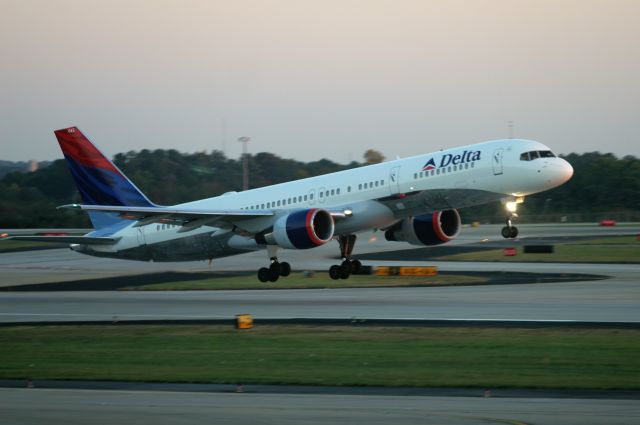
[372, 156]
[601, 183]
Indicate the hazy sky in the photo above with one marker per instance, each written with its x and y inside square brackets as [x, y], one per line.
[312, 79]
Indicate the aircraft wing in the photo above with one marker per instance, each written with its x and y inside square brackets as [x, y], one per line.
[88, 240]
[170, 215]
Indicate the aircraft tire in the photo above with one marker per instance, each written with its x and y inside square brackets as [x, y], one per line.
[356, 265]
[335, 272]
[263, 274]
[285, 269]
[513, 232]
[506, 232]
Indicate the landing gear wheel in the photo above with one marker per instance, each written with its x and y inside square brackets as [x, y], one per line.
[356, 265]
[513, 232]
[263, 274]
[285, 269]
[274, 271]
[345, 269]
[506, 232]
[335, 272]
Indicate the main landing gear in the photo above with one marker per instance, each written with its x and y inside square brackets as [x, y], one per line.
[275, 270]
[348, 266]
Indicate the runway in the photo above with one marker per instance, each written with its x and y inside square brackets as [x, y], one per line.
[616, 299]
[59, 265]
[38, 406]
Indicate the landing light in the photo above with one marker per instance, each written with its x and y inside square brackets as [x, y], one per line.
[512, 206]
[348, 212]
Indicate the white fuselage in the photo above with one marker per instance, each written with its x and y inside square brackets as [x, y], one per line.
[374, 196]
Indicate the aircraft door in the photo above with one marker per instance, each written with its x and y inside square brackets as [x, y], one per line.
[394, 180]
[140, 236]
[321, 195]
[312, 197]
[497, 161]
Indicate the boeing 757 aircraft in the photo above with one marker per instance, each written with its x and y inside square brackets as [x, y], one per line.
[414, 200]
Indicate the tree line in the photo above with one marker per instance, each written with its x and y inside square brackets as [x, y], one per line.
[602, 185]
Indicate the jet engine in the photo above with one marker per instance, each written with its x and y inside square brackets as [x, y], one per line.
[428, 229]
[300, 230]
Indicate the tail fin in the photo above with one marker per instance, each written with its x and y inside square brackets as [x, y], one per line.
[98, 180]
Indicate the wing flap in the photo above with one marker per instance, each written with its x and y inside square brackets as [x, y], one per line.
[170, 215]
[84, 240]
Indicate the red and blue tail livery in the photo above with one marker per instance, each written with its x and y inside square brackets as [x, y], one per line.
[98, 180]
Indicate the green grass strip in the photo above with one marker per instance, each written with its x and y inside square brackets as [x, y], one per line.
[320, 280]
[615, 250]
[449, 357]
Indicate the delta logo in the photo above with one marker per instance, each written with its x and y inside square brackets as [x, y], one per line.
[451, 159]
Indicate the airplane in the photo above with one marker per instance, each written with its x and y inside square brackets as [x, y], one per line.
[412, 200]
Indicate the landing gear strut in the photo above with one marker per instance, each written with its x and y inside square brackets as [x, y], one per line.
[275, 270]
[348, 266]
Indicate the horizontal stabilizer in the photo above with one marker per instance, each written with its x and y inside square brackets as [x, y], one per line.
[84, 240]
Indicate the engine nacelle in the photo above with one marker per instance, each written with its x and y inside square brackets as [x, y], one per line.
[302, 229]
[428, 229]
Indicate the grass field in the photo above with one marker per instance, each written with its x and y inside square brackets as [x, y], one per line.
[319, 280]
[624, 249]
[9, 246]
[449, 357]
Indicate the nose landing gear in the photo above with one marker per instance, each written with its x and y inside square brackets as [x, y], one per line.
[348, 266]
[510, 231]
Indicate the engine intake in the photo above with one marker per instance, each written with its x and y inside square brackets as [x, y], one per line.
[303, 229]
[429, 229]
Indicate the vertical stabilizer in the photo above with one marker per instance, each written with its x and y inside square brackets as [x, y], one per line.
[98, 180]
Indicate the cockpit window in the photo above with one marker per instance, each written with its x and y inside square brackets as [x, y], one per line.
[530, 156]
[547, 154]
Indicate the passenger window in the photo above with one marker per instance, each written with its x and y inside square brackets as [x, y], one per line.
[348, 188]
[438, 171]
[415, 176]
[321, 194]
[360, 186]
[338, 191]
[305, 197]
[311, 197]
[278, 202]
[381, 182]
[326, 194]
[333, 192]
[473, 164]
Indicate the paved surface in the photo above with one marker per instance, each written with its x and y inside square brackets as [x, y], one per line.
[59, 265]
[616, 299]
[40, 406]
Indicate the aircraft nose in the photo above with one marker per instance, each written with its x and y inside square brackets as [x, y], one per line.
[567, 170]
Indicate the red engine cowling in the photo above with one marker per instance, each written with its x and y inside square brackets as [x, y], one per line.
[303, 229]
[429, 229]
